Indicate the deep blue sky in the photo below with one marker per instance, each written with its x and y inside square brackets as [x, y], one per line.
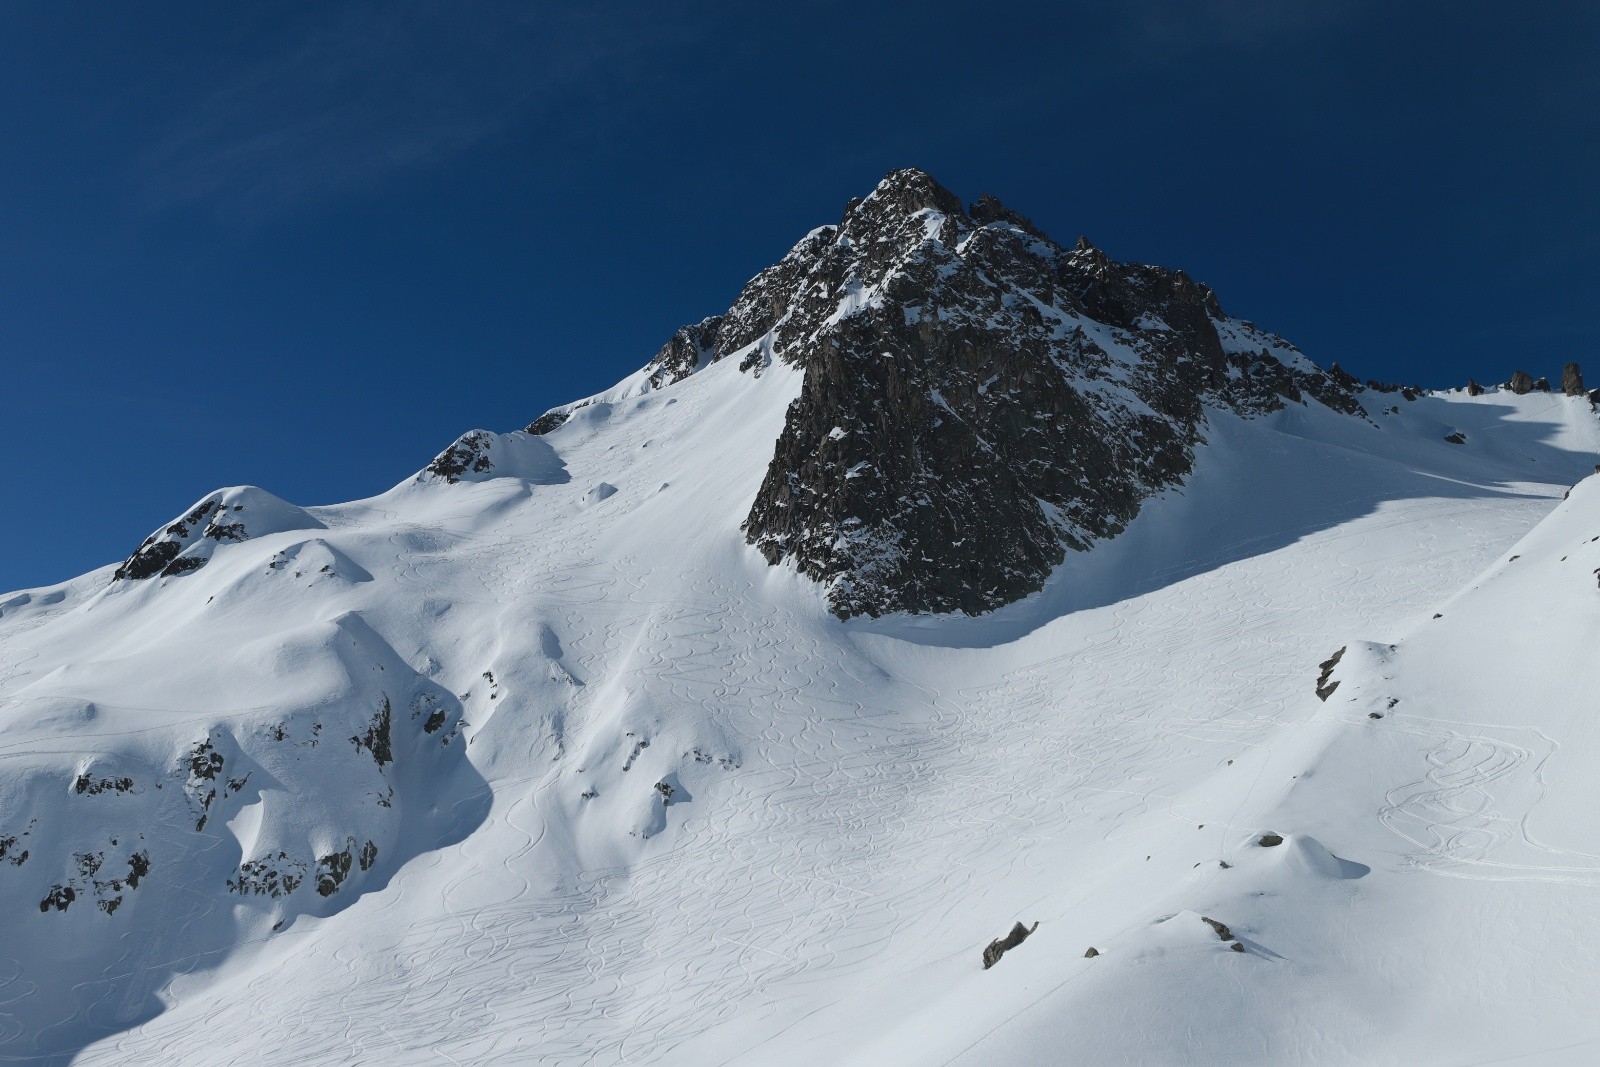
[304, 245]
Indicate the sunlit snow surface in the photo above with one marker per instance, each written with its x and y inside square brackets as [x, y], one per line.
[856, 809]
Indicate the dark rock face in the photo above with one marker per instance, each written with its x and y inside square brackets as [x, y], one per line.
[470, 452]
[1473, 388]
[1001, 945]
[1325, 687]
[1520, 383]
[376, 739]
[550, 420]
[159, 553]
[227, 515]
[1572, 380]
[977, 399]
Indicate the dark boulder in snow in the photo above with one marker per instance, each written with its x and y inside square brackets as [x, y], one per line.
[1572, 380]
[1001, 945]
[1325, 687]
[1473, 388]
[1520, 383]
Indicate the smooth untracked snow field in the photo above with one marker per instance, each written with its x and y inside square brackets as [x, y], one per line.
[675, 812]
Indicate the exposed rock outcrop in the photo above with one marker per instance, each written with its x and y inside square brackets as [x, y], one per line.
[978, 400]
[1572, 380]
[1325, 687]
[1001, 945]
[186, 544]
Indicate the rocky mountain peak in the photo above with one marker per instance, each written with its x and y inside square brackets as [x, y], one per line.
[987, 209]
[978, 400]
[908, 191]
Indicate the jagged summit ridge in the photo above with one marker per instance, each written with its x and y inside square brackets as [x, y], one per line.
[977, 400]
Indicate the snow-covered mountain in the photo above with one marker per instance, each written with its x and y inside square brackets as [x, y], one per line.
[952, 578]
[976, 398]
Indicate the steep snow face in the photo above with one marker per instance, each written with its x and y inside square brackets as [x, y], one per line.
[977, 399]
[546, 763]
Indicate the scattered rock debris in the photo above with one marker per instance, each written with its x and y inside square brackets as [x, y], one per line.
[263, 878]
[60, 898]
[1001, 945]
[9, 851]
[1221, 928]
[333, 869]
[94, 787]
[205, 767]
[376, 739]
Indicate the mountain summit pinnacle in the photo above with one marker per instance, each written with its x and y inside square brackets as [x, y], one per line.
[977, 399]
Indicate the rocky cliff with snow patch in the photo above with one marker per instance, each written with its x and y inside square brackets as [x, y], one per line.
[978, 399]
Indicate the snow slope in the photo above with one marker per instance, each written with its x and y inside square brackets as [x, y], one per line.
[632, 795]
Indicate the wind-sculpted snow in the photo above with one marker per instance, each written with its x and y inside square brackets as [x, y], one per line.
[585, 780]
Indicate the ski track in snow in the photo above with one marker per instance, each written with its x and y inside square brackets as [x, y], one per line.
[1458, 816]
